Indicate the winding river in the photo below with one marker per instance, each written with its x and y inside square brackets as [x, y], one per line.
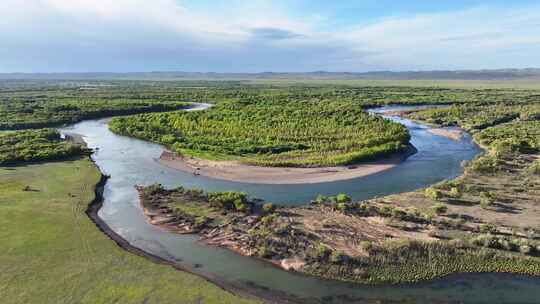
[132, 162]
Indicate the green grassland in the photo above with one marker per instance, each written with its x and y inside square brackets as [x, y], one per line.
[52, 252]
[35, 145]
[521, 84]
[273, 133]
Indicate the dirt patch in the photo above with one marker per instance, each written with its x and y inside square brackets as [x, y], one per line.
[514, 193]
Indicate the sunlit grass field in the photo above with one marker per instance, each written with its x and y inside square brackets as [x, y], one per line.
[52, 253]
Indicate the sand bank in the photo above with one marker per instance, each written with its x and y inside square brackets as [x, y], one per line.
[455, 134]
[238, 172]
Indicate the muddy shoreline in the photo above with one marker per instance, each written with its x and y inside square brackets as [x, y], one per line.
[92, 212]
[243, 173]
[206, 238]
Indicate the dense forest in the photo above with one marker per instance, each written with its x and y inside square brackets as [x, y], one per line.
[502, 125]
[273, 133]
[38, 104]
[265, 134]
[35, 145]
[34, 113]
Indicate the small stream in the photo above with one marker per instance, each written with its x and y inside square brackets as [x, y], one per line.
[132, 162]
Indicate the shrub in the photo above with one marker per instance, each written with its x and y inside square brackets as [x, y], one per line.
[264, 252]
[194, 193]
[485, 228]
[386, 210]
[486, 164]
[36, 145]
[269, 208]
[366, 245]
[534, 168]
[322, 251]
[508, 245]
[268, 220]
[398, 213]
[230, 200]
[433, 194]
[440, 209]
[273, 131]
[486, 200]
[282, 229]
[201, 221]
[343, 198]
[457, 243]
[485, 240]
[320, 199]
[413, 212]
[337, 257]
[364, 207]
[525, 249]
[455, 192]
[343, 207]
[485, 203]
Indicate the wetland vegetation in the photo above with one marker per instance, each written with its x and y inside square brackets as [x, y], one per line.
[483, 221]
[36, 145]
[25, 108]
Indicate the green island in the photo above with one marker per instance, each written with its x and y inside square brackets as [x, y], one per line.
[277, 133]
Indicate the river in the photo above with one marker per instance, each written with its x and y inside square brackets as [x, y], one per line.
[132, 162]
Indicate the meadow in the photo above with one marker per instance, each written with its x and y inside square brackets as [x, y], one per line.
[53, 253]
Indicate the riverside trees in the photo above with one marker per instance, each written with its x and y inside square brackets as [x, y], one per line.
[300, 133]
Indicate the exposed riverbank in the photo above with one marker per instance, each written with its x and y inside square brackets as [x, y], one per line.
[334, 238]
[92, 212]
[239, 172]
[454, 134]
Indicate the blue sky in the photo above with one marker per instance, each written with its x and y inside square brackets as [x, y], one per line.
[264, 35]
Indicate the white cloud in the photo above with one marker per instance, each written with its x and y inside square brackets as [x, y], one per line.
[451, 40]
[164, 34]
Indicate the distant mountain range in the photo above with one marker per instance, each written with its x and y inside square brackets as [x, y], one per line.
[501, 74]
